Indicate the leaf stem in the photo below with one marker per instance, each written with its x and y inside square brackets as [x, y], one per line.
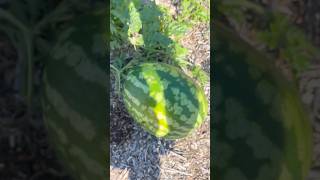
[7, 16]
[59, 10]
[118, 78]
[27, 36]
[29, 45]
[128, 65]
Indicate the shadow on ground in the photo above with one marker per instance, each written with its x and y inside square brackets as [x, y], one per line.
[134, 153]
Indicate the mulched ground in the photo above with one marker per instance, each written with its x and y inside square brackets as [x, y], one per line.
[25, 152]
[310, 91]
[310, 81]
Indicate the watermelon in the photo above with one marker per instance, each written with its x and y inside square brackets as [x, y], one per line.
[75, 95]
[260, 128]
[163, 100]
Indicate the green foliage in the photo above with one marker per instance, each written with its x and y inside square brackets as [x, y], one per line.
[235, 9]
[200, 74]
[194, 12]
[281, 35]
[138, 25]
[152, 31]
[290, 42]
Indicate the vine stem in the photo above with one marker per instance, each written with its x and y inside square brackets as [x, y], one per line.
[29, 44]
[128, 65]
[27, 35]
[7, 16]
[118, 78]
[119, 73]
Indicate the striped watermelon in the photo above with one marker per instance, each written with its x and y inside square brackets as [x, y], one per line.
[163, 100]
[75, 96]
[261, 131]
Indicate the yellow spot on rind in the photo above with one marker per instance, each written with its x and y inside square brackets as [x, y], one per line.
[156, 91]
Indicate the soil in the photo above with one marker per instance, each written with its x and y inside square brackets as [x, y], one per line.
[309, 81]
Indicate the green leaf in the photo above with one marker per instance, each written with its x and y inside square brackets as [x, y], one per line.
[135, 23]
[200, 75]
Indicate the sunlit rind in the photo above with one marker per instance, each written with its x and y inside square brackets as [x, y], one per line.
[157, 92]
